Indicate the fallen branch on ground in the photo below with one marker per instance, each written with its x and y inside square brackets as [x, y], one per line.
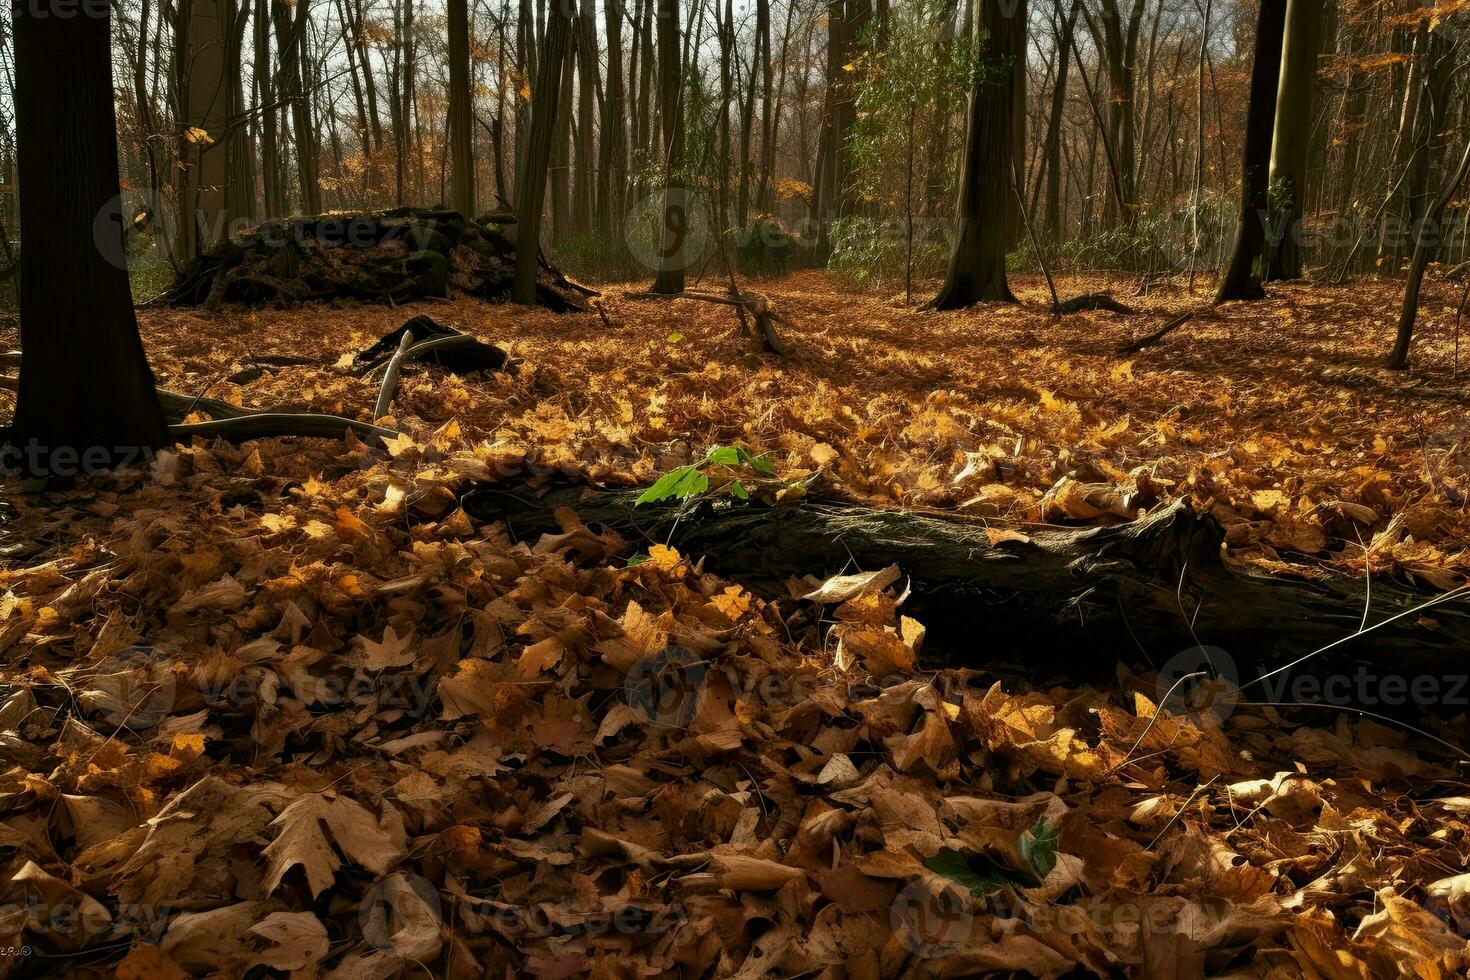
[757, 305]
[1148, 340]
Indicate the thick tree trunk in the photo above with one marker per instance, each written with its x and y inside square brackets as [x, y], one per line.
[531, 180]
[1083, 594]
[461, 112]
[977, 262]
[1239, 280]
[86, 397]
[1292, 140]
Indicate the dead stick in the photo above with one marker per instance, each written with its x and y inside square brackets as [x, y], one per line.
[390, 377]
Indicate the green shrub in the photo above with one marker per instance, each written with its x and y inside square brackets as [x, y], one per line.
[870, 252]
[764, 248]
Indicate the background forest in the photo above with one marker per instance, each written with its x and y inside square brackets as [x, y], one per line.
[816, 133]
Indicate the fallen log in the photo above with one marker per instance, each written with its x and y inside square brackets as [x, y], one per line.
[1143, 590]
[394, 256]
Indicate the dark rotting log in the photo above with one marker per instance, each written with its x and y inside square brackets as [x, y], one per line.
[1137, 591]
[435, 343]
[1092, 301]
[396, 255]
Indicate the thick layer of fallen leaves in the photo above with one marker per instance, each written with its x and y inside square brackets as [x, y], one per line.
[287, 707]
[1277, 415]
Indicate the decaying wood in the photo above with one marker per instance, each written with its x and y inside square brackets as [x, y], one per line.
[447, 347]
[757, 306]
[1075, 596]
[1092, 301]
[390, 376]
[395, 255]
[1149, 339]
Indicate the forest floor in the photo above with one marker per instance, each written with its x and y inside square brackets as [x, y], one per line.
[284, 704]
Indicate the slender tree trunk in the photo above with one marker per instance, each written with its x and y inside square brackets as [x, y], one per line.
[674, 226]
[1051, 158]
[1426, 245]
[613, 150]
[461, 111]
[977, 264]
[86, 398]
[583, 187]
[1239, 280]
[531, 181]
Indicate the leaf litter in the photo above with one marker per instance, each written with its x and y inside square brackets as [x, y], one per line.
[285, 707]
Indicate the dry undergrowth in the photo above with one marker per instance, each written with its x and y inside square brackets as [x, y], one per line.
[286, 706]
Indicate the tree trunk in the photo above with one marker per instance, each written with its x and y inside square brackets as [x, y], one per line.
[1239, 280]
[584, 204]
[674, 225]
[1426, 245]
[270, 147]
[461, 111]
[977, 262]
[612, 185]
[1051, 158]
[1292, 140]
[86, 398]
[531, 181]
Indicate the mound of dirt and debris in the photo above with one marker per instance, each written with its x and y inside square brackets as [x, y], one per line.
[398, 255]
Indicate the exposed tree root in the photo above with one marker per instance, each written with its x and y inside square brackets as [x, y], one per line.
[234, 423]
[270, 425]
[1092, 301]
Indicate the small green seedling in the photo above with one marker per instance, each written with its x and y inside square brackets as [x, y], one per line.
[694, 479]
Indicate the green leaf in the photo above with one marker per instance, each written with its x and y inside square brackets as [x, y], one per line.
[974, 871]
[761, 464]
[671, 484]
[983, 874]
[739, 492]
[676, 337]
[1039, 847]
[724, 455]
[637, 559]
